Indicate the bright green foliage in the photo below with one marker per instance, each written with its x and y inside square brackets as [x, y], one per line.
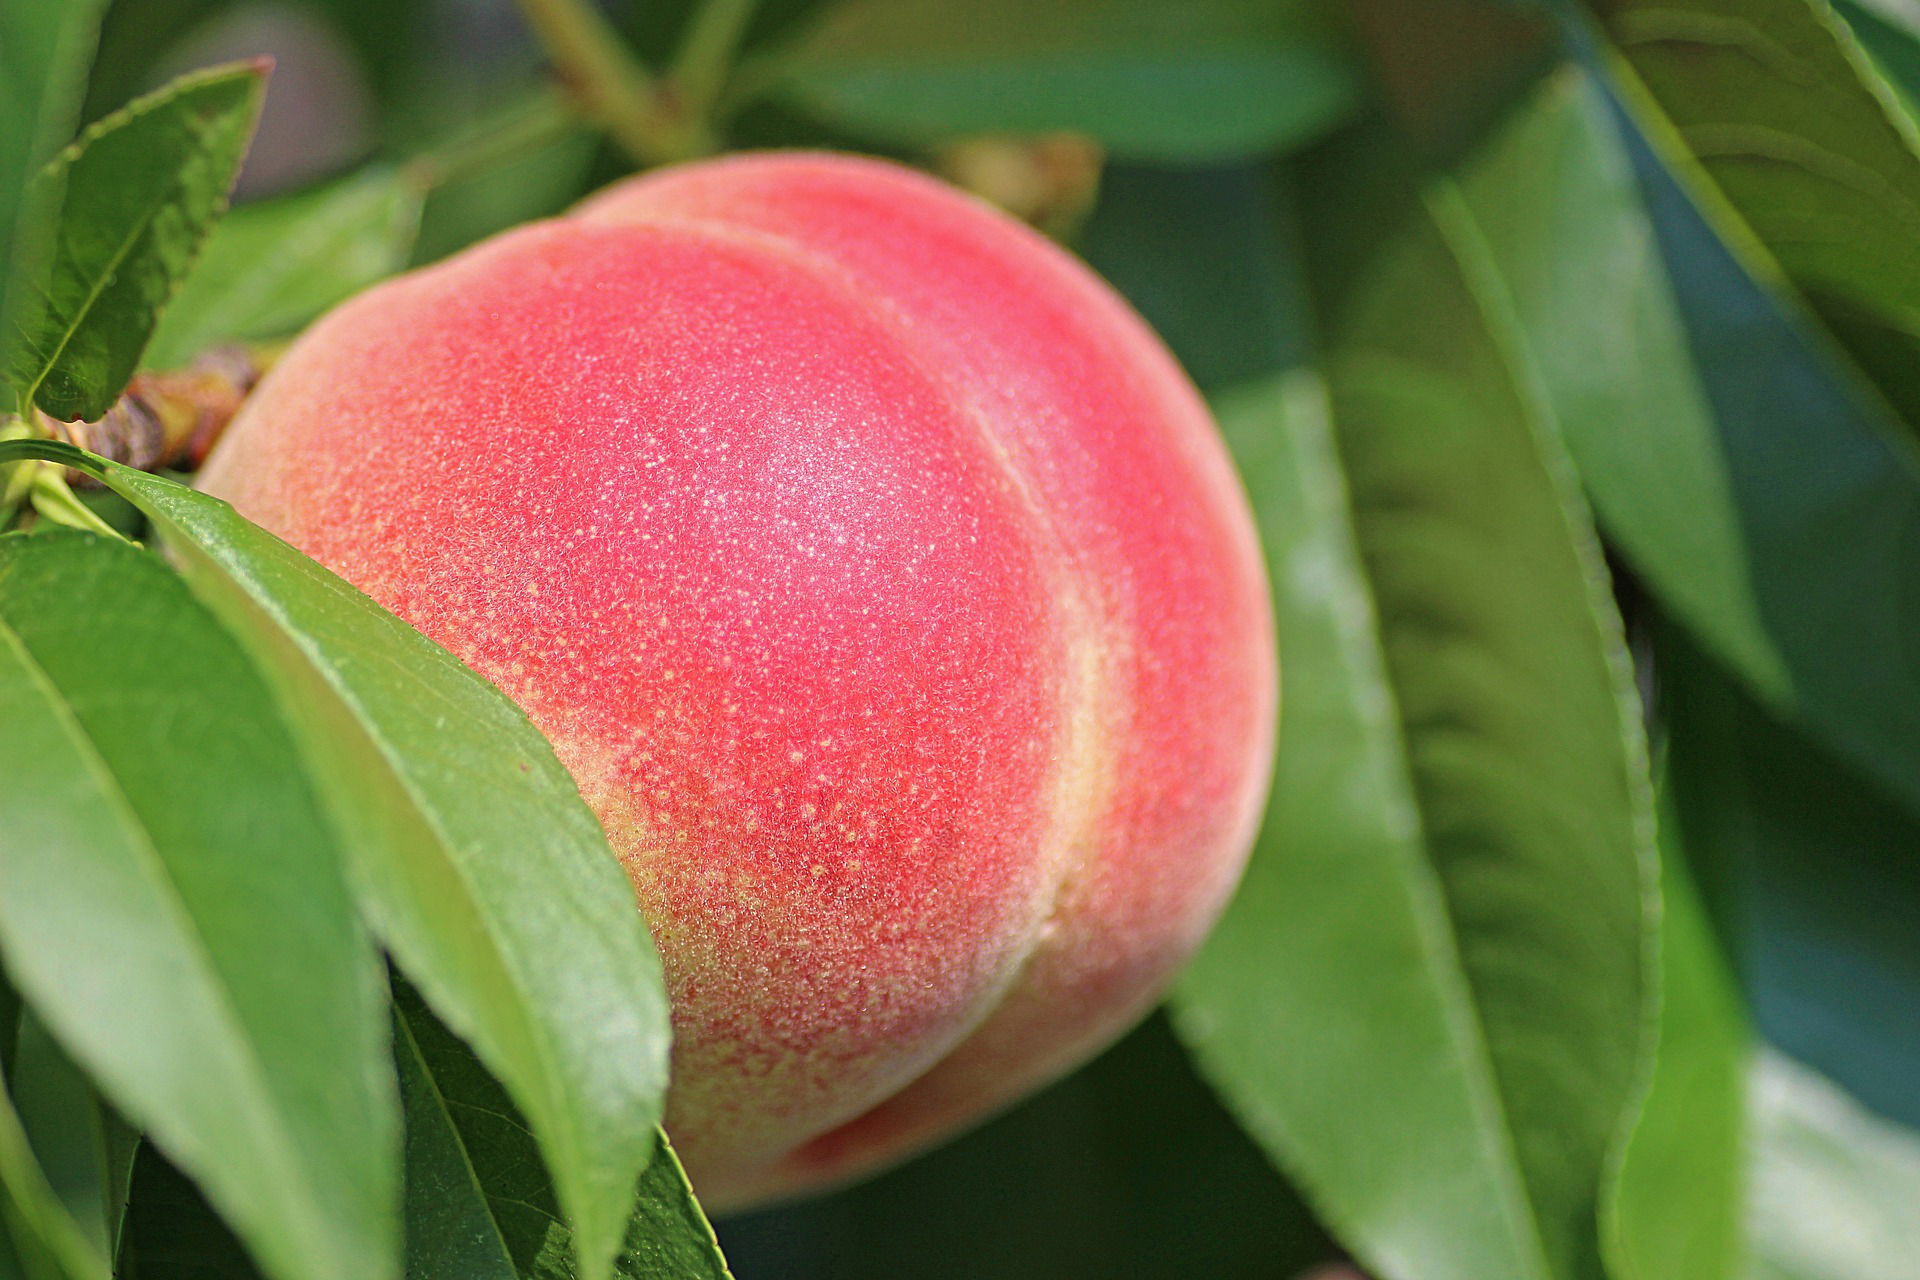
[1196, 81]
[43, 57]
[271, 267]
[139, 192]
[145, 768]
[1784, 113]
[1453, 884]
[1653, 255]
[450, 837]
[1679, 1206]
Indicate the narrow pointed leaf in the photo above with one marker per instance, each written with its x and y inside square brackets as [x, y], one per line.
[1790, 119]
[39, 1238]
[43, 64]
[84, 1149]
[145, 770]
[1761, 487]
[269, 268]
[478, 1202]
[1207, 79]
[480, 865]
[139, 192]
[1429, 999]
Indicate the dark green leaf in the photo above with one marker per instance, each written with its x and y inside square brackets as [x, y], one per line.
[269, 268]
[1447, 916]
[39, 1240]
[226, 1001]
[478, 1202]
[1834, 1186]
[472, 850]
[43, 63]
[1756, 485]
[1194, 250]
[84, 1149]
[1207, 79]
[1890, 32]
[10, 1009]
[1129, 1168]
[1821, 884]
[1794, 125]
[141, 190]
[173, 1232]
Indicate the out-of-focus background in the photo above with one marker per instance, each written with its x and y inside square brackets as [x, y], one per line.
[1668, 250]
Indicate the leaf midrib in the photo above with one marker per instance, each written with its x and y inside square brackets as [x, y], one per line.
[139, 840]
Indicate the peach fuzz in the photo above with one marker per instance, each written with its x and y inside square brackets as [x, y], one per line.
[882, 582]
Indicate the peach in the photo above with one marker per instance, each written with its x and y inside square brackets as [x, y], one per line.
[880, 579]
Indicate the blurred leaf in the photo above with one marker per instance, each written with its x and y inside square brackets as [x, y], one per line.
[478, 1202]
[1890, 32]
[145, 769]
[141, 190]
[1795, 126]
[1679, 1203]
[269, 268]
[471, 849]
[1448, 912]
[1834, 1187]
[1129, 1168]
[1822, 884]
[1445, 70]
[84, 1149]
[10, 1009]
[1204, 80]
[39, 1240]
[1753, 481]
[43, 65]
[172, 1232]
[538, 184]
[1195, 251]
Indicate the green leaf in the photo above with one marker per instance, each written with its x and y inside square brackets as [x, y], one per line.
[1208, 79]
[1822, 886]
[84, 1149]
[10, 1009]
[1448, 913]
[43, 65]
[1834, 1186]
[1194, 251]
[269, 268]
[226, 1001]
[141, 190]
[1679, 1203]
[478, 1203]
[172, 1230]
[1756, 485]
[39, 1240]
[1130, 1167]
[471, 849]
[1889, 30]
[1794, 125]
[1820, 491]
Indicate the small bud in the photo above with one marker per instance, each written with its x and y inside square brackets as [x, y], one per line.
[1049, 181]
[170, 420]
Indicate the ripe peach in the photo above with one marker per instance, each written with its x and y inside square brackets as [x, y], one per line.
[881, 581]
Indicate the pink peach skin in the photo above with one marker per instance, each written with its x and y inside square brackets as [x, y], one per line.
[880, 579]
